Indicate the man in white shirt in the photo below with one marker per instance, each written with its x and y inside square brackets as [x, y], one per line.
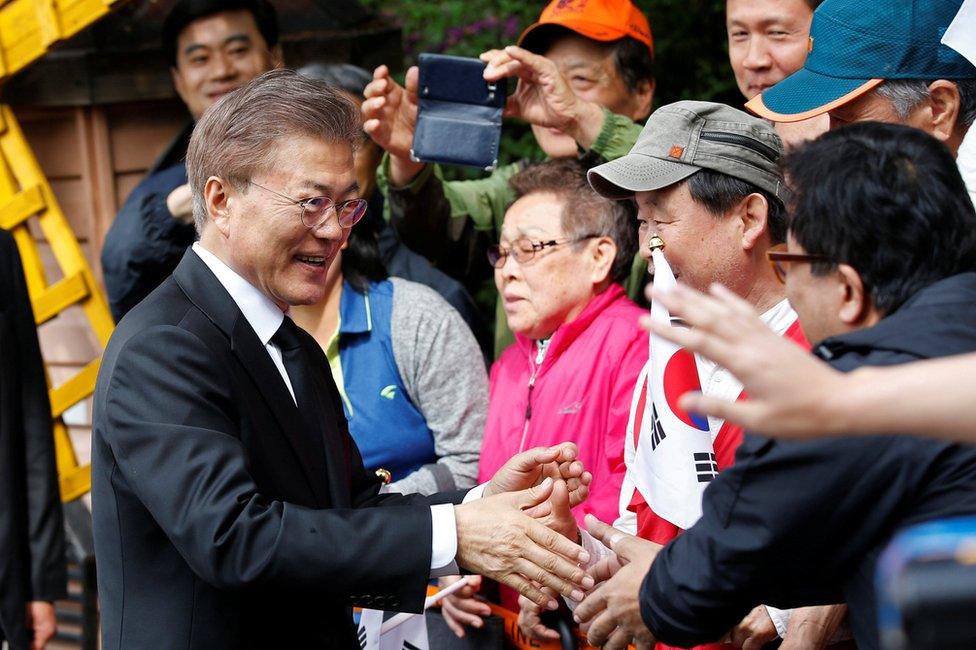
[231, 506]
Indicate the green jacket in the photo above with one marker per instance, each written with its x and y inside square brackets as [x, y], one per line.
[451, 223]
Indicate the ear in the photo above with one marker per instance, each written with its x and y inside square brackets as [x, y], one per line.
[217, 198]
[643, 99]
[939, 116]
[603, 255]
[753, 213]
[855, 303]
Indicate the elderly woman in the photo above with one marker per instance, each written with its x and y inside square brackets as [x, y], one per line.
[578, 349]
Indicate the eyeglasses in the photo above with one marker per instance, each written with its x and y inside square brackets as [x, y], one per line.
[315, 211]
[524, 249]
[779, 258]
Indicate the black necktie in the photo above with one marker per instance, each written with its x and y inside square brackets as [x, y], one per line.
[288, 340]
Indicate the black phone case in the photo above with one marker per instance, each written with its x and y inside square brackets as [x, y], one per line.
[459, 117]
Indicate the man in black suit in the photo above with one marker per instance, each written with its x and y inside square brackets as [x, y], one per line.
[231, 506]
[32, 571]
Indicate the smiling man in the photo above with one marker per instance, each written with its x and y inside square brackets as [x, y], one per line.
[231, 507]
[214, 47]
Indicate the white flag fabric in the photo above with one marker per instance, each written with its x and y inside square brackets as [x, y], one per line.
[961, 34]
[409, 635]
[675, 460]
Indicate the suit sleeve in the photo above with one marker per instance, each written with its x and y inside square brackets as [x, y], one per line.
[170, 422]
[44, 516]
[783, 509]
[143, 246]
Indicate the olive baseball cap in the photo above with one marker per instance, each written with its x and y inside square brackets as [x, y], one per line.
[855, 45]
[685, 137]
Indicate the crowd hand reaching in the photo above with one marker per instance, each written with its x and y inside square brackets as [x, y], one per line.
[530, 619]
[530, 467]
[496, 539]
[390, 119]
[787, 387]
[463, 607]
[543, 96]
[612, 610]
[755, 630]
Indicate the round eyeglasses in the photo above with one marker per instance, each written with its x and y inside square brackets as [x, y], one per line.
[315, 210]
[524, 249]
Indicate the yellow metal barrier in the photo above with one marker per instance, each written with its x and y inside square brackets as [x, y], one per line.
[28, 29]
[25, 195]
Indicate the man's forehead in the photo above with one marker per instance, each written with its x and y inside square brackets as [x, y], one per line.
[213, 29]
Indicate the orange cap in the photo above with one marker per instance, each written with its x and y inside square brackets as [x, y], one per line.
[601, 20]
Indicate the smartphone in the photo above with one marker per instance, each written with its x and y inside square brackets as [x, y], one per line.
[459, 116]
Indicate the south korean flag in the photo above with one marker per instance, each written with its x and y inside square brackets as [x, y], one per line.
[675, 460]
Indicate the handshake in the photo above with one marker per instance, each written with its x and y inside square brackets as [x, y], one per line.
[523, 535]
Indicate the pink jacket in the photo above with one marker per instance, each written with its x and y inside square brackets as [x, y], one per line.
[580, 393]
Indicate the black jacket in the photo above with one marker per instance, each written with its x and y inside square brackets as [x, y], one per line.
[31, 529]
[795, 523]
[221, 520]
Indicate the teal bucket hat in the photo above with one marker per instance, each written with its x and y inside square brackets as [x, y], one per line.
[855, 45]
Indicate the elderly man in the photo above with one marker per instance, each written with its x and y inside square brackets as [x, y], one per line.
[231, 507]
[585, 74]
[803, 522]
[882, 62]
[705, 180]
[214, 47]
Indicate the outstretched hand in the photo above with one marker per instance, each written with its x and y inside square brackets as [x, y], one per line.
[613, 608]
[543, 96]
[530, 467]
[390, 119]
[786, 386]
[497, 539]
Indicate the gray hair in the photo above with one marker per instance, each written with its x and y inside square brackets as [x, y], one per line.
[237, 137]
[585, 213]
[906, 95]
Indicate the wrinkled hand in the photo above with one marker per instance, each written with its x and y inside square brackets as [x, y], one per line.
[530, 620]
[497, 539]
[555, 513]
[543, 96]
[755, 630]
[613, 608]
[42, 620]
[463, 607]
[530, 467]
[787, 387]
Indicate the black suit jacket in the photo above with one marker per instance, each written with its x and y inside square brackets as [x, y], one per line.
[220, 520]
[31, 529]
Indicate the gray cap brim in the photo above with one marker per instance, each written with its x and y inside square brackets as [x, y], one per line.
[636, 172]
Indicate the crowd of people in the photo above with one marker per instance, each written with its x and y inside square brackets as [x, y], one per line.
[303, 410]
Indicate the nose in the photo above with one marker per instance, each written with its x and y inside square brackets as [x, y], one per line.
[330, 228]
[757, 56]
[223, 67]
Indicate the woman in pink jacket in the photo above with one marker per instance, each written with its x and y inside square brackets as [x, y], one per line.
[578, 349]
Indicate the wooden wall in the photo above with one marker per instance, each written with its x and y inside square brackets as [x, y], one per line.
[93, 157]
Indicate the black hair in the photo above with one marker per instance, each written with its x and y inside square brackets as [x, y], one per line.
[633, 59]
[813, 4]
[361, 261]
[720, 192]
[887, 200]
[185, 12]
[345, 76]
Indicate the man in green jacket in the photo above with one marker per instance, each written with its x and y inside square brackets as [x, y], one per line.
[585, 77]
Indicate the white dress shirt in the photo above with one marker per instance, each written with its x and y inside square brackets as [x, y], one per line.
[265, 318]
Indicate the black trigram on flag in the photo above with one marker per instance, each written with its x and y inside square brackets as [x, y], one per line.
[705, 466]
[657, 431]
[362, 637]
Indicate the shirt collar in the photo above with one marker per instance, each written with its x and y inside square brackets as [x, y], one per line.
[260, 311]
[780, 317]
[355, 314]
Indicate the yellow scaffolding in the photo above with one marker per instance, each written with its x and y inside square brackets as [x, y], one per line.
[28, 29]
